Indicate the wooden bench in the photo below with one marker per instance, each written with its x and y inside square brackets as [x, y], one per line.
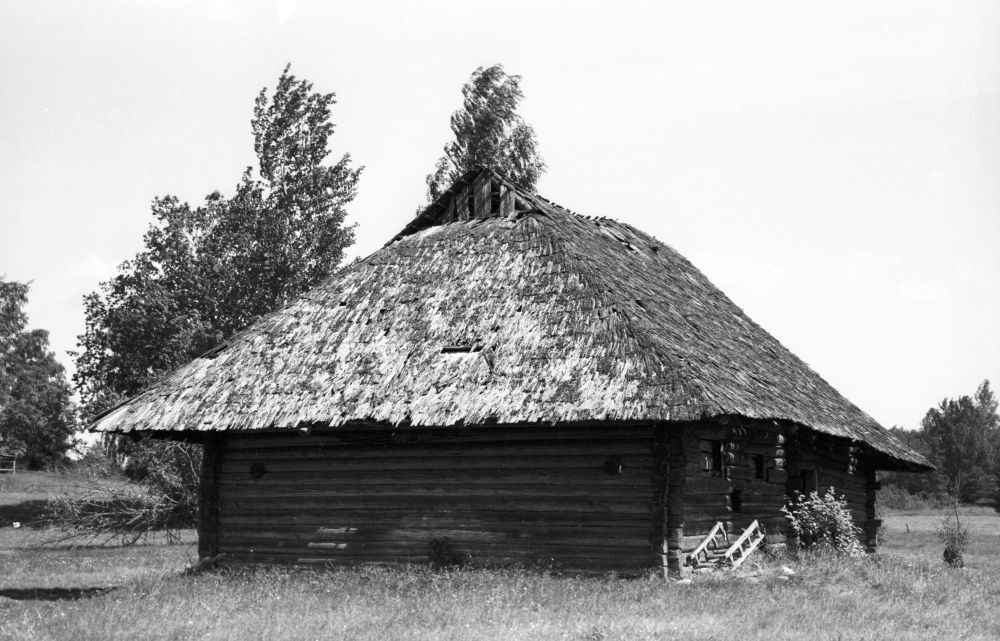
[8, 464]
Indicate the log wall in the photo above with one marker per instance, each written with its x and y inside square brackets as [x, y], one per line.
[573, 498]
[724, 486]
[577, 498]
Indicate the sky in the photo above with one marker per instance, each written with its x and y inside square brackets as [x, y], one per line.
[833, 167]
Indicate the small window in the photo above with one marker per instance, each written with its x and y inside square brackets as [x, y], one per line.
[711, 455]
[736, 501]
[808, 481]
[758, 466]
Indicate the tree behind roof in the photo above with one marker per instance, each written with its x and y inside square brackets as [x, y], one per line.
[489, 133]
[208, 271]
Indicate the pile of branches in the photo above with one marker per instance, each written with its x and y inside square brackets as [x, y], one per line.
[161, 495]
[120, 516]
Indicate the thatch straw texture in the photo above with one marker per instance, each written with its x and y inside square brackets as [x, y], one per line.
[508, 316]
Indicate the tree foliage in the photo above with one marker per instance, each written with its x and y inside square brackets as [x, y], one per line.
[36, 414]
[204, 273]
[961, 434]
[489, 133]
[207, 271]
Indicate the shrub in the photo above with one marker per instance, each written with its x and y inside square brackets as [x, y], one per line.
[955, 537]
[824, 521]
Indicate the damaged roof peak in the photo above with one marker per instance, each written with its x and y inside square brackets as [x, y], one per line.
[477, 195]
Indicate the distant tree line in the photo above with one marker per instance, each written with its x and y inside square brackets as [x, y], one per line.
[961, 437]
[37, 418]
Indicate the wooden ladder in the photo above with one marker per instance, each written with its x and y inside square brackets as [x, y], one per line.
[715, 550]
[738, 552]
[710, 550]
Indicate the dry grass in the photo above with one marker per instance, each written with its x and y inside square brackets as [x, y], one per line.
[904, 593]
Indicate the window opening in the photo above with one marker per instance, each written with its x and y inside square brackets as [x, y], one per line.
[808, 481]
[711, 455]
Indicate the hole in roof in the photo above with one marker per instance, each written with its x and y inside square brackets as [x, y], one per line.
[461, 349]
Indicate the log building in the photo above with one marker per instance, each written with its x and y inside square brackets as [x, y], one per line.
[508, 382]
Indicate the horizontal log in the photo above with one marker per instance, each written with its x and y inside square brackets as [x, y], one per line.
[762, 503]
[512, 529]
[381, 434]
[420, 516]
[720, 514]
[234, 558]
[500, 450]
[391, 515]
[532, 477]
[764, 490]
[639, 496]
[706, 485]
[459, 540]
[414, 554]
[742, 473]
[453, 504]
[448, 465]
[707, 498]
[842, 480]
[777, 476]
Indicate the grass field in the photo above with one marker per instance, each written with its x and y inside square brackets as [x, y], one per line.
[905, 592]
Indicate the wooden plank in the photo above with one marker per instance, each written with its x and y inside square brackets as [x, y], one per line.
[506, 201]
[481, 189]
[448, 215]
[462, 204]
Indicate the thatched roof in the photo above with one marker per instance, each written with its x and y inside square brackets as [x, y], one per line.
[498, 306]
